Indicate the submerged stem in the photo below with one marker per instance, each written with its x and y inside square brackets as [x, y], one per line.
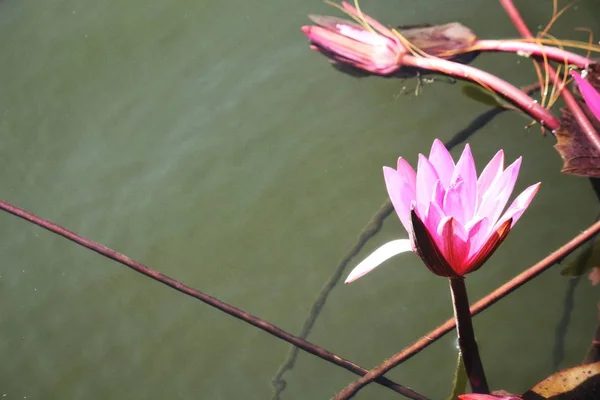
[466, 336]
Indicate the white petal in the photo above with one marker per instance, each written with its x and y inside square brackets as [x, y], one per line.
[380, 255]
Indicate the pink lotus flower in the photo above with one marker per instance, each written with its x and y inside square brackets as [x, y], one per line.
[454, 219]
[589, 94]
[371, 47]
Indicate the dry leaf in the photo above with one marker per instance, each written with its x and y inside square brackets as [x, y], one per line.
[577, 383]
[437, 39]
[579, 155]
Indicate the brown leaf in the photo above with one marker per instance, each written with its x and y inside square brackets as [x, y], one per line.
[579, 155]
[437, 39]
[577, 383]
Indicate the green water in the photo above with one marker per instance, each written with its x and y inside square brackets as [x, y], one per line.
[206, 140]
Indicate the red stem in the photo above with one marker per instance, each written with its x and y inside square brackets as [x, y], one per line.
[211, 301]
[505, 89]
[533, 49]
[476, 308]
[568, 98]
[516, 19]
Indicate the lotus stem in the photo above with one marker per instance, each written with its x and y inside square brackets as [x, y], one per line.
[571, 103]
[484, 303]
[207, 299]
[527, 49]
[503, 88]
[466, 336]
[516, 19]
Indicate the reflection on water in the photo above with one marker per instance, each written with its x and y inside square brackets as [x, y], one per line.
[207, 141]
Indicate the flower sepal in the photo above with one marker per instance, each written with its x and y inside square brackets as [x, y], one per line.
[426, 248]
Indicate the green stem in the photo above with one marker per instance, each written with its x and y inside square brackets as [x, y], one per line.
[466, 336]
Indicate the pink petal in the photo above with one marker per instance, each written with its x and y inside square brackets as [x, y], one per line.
[375, 24]
[460, 230]
[493, 240]
[374, 58]
[407, 172]
[465, 169]
[496, 197]
[426, 179]
[490, 173]
[589, 94]
[438, 194]
[362, 35]
[432, 221]
[477, 235]
[442, 161]
[519, 205]
[454, 247]
[333, 23]
[454, 201]
[376, 258]
[350, 49]
[401, 194]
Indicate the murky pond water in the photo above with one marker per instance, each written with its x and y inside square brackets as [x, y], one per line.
[206, 140]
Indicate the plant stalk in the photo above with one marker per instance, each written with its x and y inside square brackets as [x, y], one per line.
[466, 336]
[528, 49]
[503, 88]
[483, 304]
[570, 102]
[211, 301]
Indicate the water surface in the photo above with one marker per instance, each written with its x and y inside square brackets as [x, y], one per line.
[206, 140]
